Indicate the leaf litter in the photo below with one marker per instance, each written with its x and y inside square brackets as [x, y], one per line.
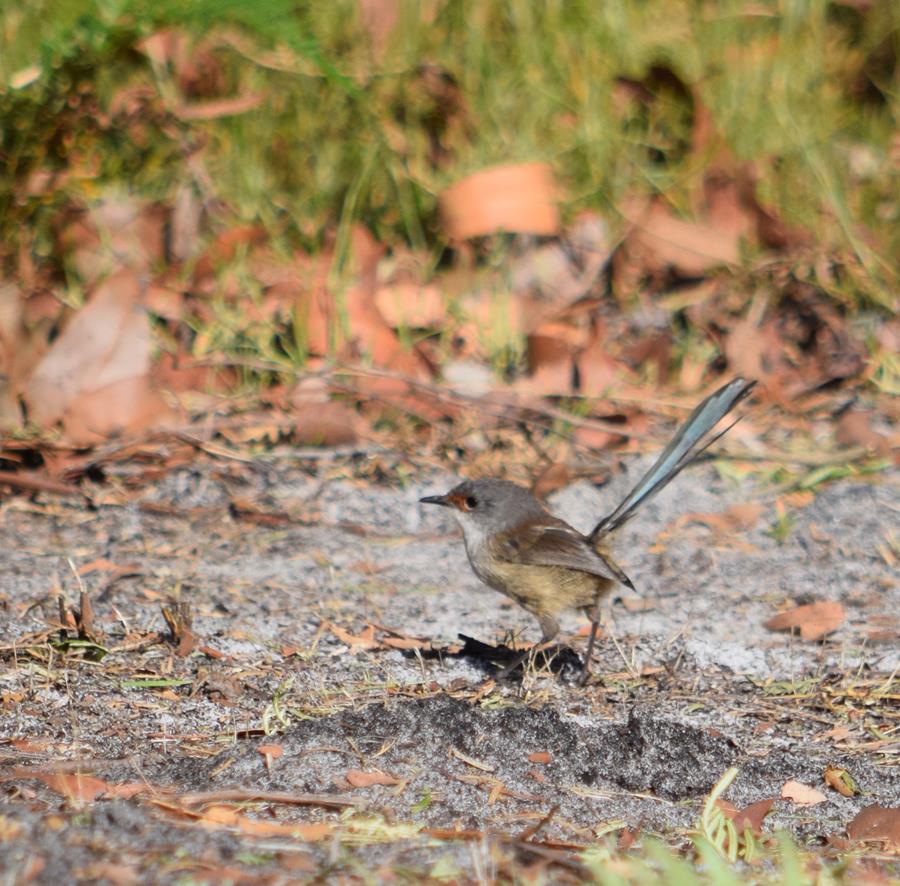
[260, 569]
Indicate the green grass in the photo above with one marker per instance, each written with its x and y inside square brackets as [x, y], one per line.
[343, 136]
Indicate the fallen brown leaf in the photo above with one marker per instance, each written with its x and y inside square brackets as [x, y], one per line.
[320, 421]
[841, 780]
[412, 306]
[553, 477]
[814, 620]
[358, 778]
[801, 794]
[854, 428]
[876, 823]
[226, 816]
[75, 787]
[521, 198]
[750, 817]
[659, 241]
[365, 640]
[108, 872]
[737, 518]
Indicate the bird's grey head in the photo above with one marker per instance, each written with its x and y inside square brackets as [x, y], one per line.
[483, 506]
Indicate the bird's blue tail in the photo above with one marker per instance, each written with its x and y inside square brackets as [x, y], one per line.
[681, 451]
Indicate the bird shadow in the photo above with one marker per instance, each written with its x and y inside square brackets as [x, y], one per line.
[558, 659]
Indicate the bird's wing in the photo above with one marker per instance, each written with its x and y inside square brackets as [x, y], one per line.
[550, 542]
[684, 447]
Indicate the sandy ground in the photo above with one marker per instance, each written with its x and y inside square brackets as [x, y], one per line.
[284, 571]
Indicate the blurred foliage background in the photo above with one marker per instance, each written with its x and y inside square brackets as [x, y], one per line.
[366, 111]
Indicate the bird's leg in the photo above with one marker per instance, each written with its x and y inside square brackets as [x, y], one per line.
[586, 664]
[549, 629]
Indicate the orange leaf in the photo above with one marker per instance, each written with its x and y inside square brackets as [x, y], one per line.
[814, 620]
[854, 428]
[226, 816]
[366, 639]
[540, 757]
[75, 787]
[360, 779]
[553, 477]
[321, 421]
[520, 197]
[801, 794]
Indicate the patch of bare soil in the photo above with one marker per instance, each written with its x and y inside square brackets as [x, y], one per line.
[305, 706]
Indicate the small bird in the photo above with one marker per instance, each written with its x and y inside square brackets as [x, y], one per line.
[516, 546]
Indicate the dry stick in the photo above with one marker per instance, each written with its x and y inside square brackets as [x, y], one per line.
[449, 394]
[37, 484]
[240, 795]
[856, 453]
[531, 830]
[440, 392]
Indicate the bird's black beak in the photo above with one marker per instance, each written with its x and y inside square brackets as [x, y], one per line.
[435, 500]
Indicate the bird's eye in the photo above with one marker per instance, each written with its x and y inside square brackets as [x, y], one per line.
[471, 502]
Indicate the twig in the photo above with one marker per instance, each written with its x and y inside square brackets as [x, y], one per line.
[37, 484]
[857, 453]
[245, 795]
[532, 829]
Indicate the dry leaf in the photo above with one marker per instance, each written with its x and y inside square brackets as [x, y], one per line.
[750, 817]
[550, 364]
[184, 226]
[553, 477]
[114, 570]
[360, 779]
[540, 757]
[329, 423]
[227, 816]
[814, 620]
[520, 198]
[23, 343]
[659, 241]
[365, 640]
[854, 428]
[841, 780]
[87, 354]
[94, 377]
[125, 406]
[117, 233]
[108, 872]
[370, 334]
[411, 306]
[801, 794]
[737, 518]
[876, 823]
[597, 370]
[75, 787]
[128, 790]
